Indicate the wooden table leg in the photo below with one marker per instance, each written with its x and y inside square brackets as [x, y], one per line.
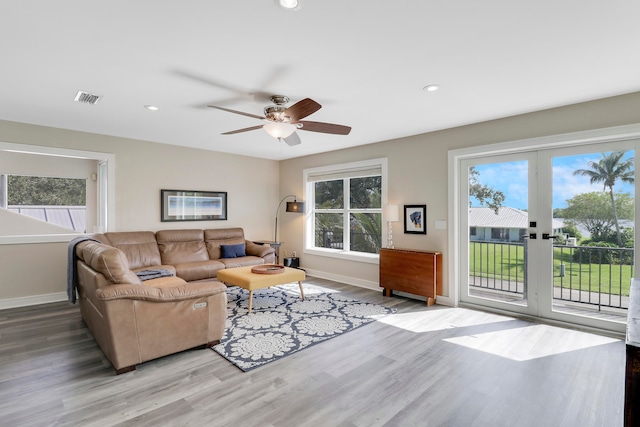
[250, 300]
[301, 291]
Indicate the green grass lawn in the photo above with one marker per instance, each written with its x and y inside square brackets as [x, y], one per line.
[506, 261]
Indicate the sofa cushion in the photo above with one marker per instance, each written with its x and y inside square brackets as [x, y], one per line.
[140, 247]
[232, 251]
[107, 260]
[198, 270]
[165, 282]
[215, 237]
[241, 261]
[181, 246]
[259, 250]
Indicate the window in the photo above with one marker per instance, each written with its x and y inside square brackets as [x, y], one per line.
[58, 201]
[499, 233]
[472, 231]
[93, 171]
[346, 208]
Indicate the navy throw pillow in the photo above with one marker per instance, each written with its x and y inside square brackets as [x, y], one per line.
[232, 251]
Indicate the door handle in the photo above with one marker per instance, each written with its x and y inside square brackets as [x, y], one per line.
[547, 236]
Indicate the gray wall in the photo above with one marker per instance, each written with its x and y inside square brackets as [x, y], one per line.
[418, 173]
[36, 272]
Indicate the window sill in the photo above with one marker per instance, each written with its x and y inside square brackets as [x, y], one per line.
[40, 238]
[344, 255]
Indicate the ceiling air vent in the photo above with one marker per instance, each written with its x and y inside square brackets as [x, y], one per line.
[87, 98]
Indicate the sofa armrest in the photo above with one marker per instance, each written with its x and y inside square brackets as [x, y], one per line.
[147, 293]
[258, 250]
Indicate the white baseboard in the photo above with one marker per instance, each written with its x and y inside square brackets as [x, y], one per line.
[375, 286]
[344, 279]
[32, 300]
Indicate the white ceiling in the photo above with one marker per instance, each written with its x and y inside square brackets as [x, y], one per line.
[365, 61]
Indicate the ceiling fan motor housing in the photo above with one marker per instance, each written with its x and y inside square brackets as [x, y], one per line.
[275, 113]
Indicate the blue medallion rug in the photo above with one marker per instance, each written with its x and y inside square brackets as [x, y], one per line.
[281, 323]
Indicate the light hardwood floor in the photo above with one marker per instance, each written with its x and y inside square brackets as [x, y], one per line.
[423, 366]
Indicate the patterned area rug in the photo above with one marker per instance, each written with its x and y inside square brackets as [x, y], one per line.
[281, 323]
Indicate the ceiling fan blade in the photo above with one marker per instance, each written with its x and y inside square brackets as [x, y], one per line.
[302, 109]
[325, 127]
[237, 112]
[231, 132]
[292, 139]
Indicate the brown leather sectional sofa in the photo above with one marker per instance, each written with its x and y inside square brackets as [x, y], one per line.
[133, 320]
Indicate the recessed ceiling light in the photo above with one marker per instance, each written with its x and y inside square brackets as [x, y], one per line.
[431, 88]
[288, 4]
[151, 107]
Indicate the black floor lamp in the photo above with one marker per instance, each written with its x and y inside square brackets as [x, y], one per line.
[294, 206]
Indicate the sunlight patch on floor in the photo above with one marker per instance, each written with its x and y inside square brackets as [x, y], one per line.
[531, 342]
[440, 319]
[293, 288]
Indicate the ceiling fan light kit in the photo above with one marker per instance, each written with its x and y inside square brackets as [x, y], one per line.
[279, 130]
[288, 4]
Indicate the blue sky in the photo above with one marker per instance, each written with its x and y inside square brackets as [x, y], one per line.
[511, 179]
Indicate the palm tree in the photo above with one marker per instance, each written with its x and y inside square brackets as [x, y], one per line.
[609, 169]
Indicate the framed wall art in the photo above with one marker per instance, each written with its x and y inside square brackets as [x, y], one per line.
[415, 219]
[182, 205]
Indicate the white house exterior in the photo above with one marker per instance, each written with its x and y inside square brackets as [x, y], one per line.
[509, 225]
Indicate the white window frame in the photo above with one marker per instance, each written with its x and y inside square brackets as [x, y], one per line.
[335, 172]
[457, 156]
[106, 213]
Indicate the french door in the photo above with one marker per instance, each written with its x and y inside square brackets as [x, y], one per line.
[537, 236]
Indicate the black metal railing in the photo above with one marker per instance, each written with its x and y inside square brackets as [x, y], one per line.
[498, 266]
[360, 242]
[327, 238]
[592, 275]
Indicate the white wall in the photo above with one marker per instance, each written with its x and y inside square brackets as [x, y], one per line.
[29, 272]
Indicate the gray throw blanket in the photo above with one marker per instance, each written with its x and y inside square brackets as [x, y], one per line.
[72, 267]
[153, 274]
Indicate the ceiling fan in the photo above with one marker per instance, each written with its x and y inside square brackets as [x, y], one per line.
[282, 122]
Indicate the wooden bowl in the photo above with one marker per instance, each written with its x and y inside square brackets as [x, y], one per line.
[267, 269]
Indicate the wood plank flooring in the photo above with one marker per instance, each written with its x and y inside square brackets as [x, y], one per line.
[424, 366]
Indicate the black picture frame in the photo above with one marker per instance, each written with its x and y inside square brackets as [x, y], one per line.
[415, 219]
[189, 205]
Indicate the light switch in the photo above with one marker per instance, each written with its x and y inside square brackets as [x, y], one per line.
[441, 225]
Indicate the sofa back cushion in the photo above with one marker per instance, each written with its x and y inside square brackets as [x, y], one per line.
[214, 238]
[140, 247]
[109, 261]
[180, 246]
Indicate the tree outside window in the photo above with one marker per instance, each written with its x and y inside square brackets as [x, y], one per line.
[354, 204]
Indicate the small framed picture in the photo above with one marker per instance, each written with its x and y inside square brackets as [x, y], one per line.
[415, 219]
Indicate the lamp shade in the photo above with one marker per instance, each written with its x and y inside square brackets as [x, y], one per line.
[295, 206]
[391, 213]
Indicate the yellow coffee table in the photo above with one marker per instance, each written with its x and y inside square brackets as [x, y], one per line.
[244, 278]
